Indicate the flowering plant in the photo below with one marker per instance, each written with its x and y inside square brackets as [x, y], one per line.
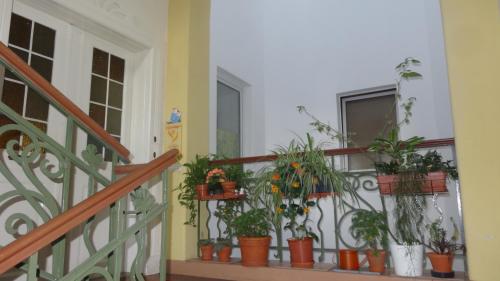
[216, 176]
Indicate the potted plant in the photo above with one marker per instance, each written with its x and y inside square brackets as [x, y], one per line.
[301, 243]
[227, 213]
[214, 179]
[436, 171]
[193, 186]
[223, 248]
[236, 178]
[252, 229]
[371, 227]
[443, 249]
[207, 249]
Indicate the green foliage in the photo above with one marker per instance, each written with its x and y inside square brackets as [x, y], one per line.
[205, 242]
[371, 227]
[432, 161]
[438, 243]
[238, 174]
[195, 174]
[253, 223]
[228, 213]
[220, 243]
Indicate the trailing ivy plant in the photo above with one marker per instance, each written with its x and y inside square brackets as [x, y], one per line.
[195, 174]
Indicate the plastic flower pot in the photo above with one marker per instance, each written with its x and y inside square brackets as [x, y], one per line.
[408, 259]
[348, 259]
[254, 250]
[207, 252]
[301, 252]
[224, 254]
[376, 263]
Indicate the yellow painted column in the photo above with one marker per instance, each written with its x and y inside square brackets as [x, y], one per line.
[472, 35]
[187, 87]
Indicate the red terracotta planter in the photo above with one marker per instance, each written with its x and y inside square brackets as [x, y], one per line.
[202, 190]
[207, 252]
[224, 254]
[433, 182]
[229, 187]
[376, 263]
[348, 259]
[254, 250]
[301, 252]
[441, 263]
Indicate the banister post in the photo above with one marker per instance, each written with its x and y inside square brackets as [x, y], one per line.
[116, 226]
[164, 227]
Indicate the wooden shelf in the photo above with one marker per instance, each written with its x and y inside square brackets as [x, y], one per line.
[221, 197]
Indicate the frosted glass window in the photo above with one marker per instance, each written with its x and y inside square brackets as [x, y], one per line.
[228, 121]
[366, 117]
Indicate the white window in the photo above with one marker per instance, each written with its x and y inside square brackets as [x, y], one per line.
[228, 120]
[366, 115]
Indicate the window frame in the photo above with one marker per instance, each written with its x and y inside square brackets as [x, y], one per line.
[342, 98]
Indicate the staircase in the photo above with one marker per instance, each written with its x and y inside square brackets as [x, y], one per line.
[51, 223]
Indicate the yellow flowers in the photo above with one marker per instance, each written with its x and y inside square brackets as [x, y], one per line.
[275, 188]
[279, 210]
[276, 176]
[306, 210]
[295, 165]
[295, 184]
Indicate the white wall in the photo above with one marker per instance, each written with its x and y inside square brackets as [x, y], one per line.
[297, 52]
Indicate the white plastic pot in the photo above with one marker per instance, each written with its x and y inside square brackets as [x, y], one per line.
[408, 260]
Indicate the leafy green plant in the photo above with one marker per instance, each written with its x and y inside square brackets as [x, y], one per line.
[253, 223]
[292, 212]
[432, 161]
[228, 213]
[194, 175]
[439, 243]
[221, 243]
[238, 174]
[371, 227]
[205, 242]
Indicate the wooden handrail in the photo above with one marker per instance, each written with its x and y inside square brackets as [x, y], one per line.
[50, 92]
[42, 236]
[328, 152]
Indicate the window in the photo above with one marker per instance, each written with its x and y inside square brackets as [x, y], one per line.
[106, 95]
[34, 43]
[228, 121]
[365, 116]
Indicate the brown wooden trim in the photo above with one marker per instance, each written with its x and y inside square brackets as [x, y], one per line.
[42, 236]
[127, 169]
[47, 90]
[328, 152]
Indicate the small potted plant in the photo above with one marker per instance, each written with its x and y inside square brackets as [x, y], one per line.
[436, 171]
[371, 227]
[252, 229]
[301, 243]
[227, 213]
[443, 249]
[193, 187]
[223, 248]
[214, 179]
[207, 249]
[236, 178]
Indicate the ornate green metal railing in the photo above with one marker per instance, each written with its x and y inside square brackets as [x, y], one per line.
[51, 219]
[328, 213]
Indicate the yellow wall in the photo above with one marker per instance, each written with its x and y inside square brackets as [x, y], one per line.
[472, 34]
[187, 89]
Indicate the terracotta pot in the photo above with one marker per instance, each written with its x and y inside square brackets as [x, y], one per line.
[376, 263]
[348, 259]
[229, 187]
[435, 182]
[301, 252]
[207, 252]
[386, 183]
[441, 263]
[202, 190]
[224, 254]
[254, 250]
